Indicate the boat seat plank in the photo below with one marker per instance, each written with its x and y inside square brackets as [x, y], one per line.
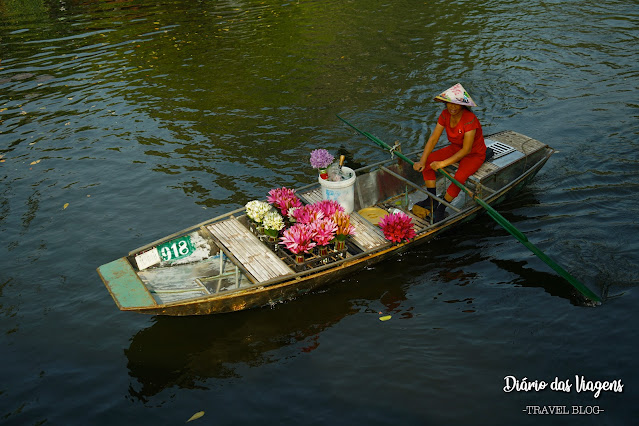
[254, 256]
[486, 169]
[312, 196]
[367, 236]
[518, 141]
[252, 253]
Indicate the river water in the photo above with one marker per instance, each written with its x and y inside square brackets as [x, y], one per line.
[125, 121]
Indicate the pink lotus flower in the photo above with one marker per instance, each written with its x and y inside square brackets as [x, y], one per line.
[324, 231]
[397, 227]
[329, 207]
[298, 238]
[308, 214]
[283, 199]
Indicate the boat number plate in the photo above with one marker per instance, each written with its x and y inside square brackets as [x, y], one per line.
[176, 249]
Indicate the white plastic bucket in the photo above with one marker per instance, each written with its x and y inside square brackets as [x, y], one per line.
[343, 191]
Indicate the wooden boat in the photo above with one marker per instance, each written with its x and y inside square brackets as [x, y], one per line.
[225, 265]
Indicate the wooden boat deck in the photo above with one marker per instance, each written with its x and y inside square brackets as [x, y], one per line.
[518, 141]
[367, 236]
[485, 169]
[312, 196]
[252, 255]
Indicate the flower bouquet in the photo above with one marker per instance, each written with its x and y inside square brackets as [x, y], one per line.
[283, 199]
[344, 229]
[273, 223]
[321, 159]
[397, 227]
[299, 240]
[256, 210]
[329, 207]
[324, 230]
[308, 214]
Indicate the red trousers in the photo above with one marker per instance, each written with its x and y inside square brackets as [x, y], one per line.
[467, 166]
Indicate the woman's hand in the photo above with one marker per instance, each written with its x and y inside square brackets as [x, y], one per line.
[436, 165]
[419, 166]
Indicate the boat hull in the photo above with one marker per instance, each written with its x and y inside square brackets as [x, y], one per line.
[127, 286]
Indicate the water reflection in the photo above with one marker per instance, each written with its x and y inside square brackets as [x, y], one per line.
[186, 352]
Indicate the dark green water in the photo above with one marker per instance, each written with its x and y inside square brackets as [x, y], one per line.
[124, 121]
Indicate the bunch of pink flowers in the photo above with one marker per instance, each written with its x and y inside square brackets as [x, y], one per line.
[317, 224]
[283, 199]
[324, 230]
[329, 207]
[299, 238]
[397, 227]
[308, 214]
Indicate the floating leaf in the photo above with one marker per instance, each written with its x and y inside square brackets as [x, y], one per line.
[196, 416]
[385, 318]
[34, 162]
[65, 206]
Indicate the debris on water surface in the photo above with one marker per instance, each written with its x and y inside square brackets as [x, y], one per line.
[385, 318]
[196, 416]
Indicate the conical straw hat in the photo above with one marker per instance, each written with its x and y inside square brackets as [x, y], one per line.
[456, 95]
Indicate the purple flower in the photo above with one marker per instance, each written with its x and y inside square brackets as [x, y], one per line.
[321, 158]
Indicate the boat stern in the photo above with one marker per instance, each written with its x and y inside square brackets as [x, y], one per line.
[126, 288]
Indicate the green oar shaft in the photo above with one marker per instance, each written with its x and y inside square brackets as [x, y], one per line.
[498, 218]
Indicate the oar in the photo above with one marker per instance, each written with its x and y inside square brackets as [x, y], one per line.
[498, 218]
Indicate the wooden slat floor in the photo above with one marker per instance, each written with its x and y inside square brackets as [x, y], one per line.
[311, 196]
[367, 236]
[256, 258]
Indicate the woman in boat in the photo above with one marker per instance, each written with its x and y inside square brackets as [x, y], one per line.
[467, 147]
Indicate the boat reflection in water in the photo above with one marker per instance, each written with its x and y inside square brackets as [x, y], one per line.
[186, 352]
